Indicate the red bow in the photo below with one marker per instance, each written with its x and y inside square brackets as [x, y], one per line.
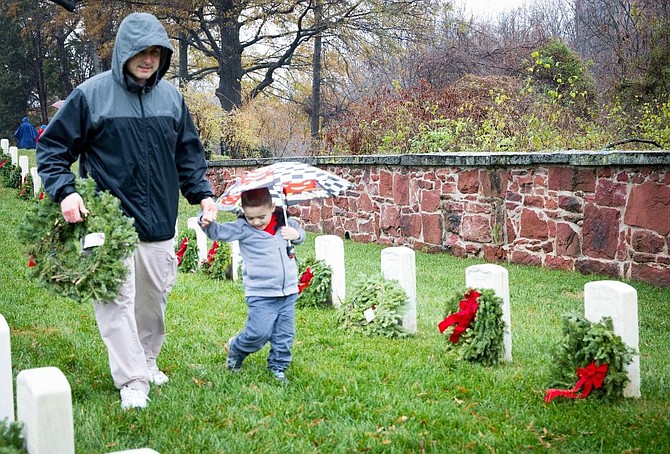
[305, 279]
[462, 318]
[212, 252]
[182, 249]
[31, 262]
[590, 377]
[2, 163]
[41, 195]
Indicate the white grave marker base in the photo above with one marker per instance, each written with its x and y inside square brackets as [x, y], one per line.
[330, 249]
[494, 277]
[44, 406]
[399, 264]
[619, 301]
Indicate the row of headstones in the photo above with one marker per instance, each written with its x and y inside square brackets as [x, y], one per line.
[613, 299]
[23, 163]
[43, 404]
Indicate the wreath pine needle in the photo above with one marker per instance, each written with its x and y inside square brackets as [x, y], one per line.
[59, 259]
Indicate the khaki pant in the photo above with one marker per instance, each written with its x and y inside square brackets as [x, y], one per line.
[133, 325]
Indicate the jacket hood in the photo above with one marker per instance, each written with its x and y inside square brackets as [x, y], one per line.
[24, 120]
[137, 32]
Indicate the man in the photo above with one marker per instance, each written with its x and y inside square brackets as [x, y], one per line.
[132, 134]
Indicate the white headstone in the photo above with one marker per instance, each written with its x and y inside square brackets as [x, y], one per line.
[201, 238]
[6, 380]
[14, 153]
[236, 258]
[44, 406]
[399, 264]
[37, 181]
[496, 278]
[25, 166]
[4, 144]
[619, 301]
[330, 249]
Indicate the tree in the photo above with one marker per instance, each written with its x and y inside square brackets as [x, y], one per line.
[15, 83]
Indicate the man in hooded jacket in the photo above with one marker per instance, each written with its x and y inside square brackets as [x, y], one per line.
[133, 134]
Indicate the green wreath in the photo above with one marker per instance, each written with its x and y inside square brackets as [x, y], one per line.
[187, 253]
[316, 291]
[376, 307]
[219, 261]
[585, 342]
[58, 258]
[482, 340]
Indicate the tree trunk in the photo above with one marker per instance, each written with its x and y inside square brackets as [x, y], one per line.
[64, 72]
[230, 66]
[315, 114]
[39, 75]
[183, 61]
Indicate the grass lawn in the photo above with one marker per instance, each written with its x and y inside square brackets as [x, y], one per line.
[348, 393]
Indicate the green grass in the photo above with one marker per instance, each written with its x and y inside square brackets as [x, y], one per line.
[348, 393]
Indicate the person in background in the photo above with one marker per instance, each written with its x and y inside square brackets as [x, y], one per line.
[270, 279]
[133, 134]
[40, 131]
[26, 134]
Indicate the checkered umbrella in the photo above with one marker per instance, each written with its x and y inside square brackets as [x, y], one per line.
[290, 183]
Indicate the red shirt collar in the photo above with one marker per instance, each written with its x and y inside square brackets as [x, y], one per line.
[272, 225]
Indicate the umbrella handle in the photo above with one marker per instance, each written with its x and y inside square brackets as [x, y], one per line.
[290, 250]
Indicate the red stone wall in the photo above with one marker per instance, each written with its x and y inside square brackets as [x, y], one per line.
[609, 219]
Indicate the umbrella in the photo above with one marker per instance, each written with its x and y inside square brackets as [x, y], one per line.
[289, 183]
[58, 104]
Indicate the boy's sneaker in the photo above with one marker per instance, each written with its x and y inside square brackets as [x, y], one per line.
[157, 377]
[280, 376]
[133, 398]
[232, 363]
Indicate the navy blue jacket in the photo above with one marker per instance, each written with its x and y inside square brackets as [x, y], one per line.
[138, 142]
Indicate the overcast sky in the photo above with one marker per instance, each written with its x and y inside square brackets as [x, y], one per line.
[483, 8]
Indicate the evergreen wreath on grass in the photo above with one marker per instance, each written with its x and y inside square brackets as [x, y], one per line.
[11, 175]
[219, 261]
[187, 253]
[26, 189]
[585, 342]
[376, 307]
[314, 284]
[478, 326]
[58, 258]
[11, 437]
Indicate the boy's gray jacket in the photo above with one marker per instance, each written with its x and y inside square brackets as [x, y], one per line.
[266, 268]
[137, 142]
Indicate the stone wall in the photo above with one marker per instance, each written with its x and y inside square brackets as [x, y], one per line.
[593, 212]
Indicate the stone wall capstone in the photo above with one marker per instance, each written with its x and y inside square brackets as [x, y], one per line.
[604, 212]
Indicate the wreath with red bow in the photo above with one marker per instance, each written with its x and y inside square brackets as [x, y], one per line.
[314, 284]
[475, 326]
[591, 360]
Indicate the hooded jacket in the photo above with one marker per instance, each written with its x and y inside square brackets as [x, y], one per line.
[25, 134]
[266, 268]
[137, 142]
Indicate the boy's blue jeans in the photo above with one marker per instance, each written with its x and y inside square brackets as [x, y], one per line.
[268, 319]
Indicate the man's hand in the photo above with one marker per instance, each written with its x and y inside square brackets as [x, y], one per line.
[209, 211]
[73, 208]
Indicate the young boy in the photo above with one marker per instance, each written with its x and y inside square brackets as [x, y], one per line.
[270, 279]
